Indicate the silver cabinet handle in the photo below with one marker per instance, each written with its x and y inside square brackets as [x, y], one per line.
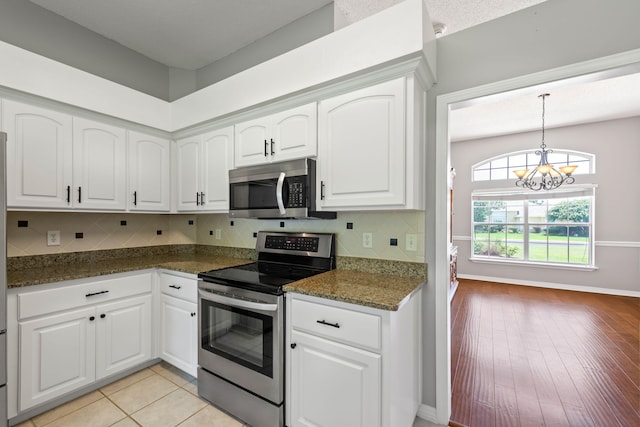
[279, 193]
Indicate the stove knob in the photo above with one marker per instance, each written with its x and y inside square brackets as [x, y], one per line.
[293, 345]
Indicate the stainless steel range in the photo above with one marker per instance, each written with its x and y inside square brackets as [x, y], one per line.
[241, 324]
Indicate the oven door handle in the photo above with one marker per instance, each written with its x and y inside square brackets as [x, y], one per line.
[279, 198]
[233, 302]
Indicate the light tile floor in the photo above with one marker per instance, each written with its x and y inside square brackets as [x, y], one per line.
[159, 396]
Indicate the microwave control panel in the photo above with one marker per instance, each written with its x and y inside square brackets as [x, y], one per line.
[297, 194]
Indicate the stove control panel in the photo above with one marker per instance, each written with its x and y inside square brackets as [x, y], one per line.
[292, 243]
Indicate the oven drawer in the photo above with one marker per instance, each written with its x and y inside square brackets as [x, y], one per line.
[179, 287]
[351, 327]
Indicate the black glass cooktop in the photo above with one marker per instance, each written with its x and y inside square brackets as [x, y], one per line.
[265, 277]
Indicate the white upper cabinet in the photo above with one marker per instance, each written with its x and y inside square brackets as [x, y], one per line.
[370, 148]
[99, 165]
[290, 134]
[149, 173]
[39, 156]
[202, 171]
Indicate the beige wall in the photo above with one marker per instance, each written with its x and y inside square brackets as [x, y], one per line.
[103, 231]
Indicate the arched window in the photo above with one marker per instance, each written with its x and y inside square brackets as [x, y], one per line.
[543, 227]
[502, 167]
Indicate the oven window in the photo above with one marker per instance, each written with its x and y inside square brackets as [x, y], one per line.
[239, 335]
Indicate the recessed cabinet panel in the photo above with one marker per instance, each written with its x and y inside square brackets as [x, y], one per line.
[295, 133]
[99, 165]
[362, 147]
[123, 335]
[149, 173]
[252, 145]
[335, 385]
[287, 135]
[179, 342]
[57, 355]
[39, 156]
[202, 168]
[188, 172]
[217, 149]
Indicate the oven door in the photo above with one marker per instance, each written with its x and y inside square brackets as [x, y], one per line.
[242, 338]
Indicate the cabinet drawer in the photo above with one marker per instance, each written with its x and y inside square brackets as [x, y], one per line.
[97, 291]
[179, 287]
[348, 326]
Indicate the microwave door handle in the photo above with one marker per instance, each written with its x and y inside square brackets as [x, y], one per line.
[279, 189]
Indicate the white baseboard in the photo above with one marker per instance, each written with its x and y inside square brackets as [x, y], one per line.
[549, 285]
[427, 413]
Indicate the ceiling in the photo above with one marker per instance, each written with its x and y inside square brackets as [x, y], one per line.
[190, 34]
[602, 96]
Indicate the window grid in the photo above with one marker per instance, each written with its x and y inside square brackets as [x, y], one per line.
[533, 230]
[502, 167]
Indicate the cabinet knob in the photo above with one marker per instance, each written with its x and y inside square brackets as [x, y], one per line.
[135, 198]
[193, 314]
[102, 316]
[266, 144]
[293, 345]
[272, 152]
[92, 318]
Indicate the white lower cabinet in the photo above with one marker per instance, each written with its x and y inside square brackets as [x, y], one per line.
[350, 365]
[179, 322]
[73, 335]
[334, 384]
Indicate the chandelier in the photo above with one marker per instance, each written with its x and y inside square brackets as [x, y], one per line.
[545, 176]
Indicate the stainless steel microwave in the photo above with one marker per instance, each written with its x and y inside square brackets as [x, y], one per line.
[275, 190]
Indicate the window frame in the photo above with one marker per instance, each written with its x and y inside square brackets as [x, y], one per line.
[501, 195]
[581, 158]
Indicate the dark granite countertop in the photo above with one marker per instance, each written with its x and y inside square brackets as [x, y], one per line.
[383, 291]
[186, 263]
[379, 284]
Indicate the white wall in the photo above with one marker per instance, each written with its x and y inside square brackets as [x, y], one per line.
[31, 27]
[616, 145]
[547, 36]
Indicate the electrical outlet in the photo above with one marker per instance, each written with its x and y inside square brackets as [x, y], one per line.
[411, 242]
[367, 240]
[218, 234]
[53, 238]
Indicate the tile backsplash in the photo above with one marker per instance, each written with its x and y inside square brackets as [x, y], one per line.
[102, 231]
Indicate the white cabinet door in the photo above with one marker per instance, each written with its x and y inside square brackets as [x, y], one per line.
[290, 134]
[179, 330]
[333, 385]
[57, 355]
[361, 147]
[202, 171]
[217, 148]
[123, 335]
[149, 173]
[295, 133]
[188, 173]
[39, 156]
[252, 145]
[99, 166]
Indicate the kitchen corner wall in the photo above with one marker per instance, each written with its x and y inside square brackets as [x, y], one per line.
[102, 231]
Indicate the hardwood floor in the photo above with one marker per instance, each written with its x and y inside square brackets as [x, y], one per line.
[525, 356]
